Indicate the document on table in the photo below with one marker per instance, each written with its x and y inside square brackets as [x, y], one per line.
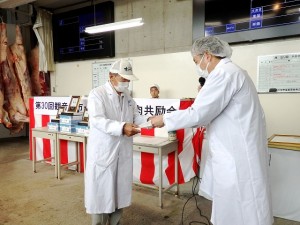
[147, 125]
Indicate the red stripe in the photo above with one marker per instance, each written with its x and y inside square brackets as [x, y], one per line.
[170, 170]
[46, 142]
[147, 168]
[180, 137]
[81, 158]
[147, 161]
[184, 104]
[31, 124]
[63, 151]
[197, 144]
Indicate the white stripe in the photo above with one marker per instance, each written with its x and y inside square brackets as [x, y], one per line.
[137, 166]
[187, 155]
[72, 154]
[39, 141]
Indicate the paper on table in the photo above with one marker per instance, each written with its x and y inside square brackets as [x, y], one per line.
[146, 125]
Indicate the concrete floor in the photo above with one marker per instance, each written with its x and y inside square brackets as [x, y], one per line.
[29, 198]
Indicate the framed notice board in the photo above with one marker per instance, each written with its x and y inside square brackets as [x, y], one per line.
[284, 141]
[100, 73]
[278, 73]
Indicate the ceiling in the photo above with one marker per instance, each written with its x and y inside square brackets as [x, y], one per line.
[57, 4]
[48, 4]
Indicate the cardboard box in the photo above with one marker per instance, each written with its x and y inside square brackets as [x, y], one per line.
[66, 128]
[82, 129]
[70, 119]
[53, 126]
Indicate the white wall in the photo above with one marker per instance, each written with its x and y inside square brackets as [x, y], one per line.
[175, 73]
[160, 53]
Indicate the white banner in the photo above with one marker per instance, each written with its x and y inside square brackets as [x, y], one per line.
[155, 106]
[45, 105]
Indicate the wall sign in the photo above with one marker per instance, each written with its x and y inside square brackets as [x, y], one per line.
[278, 73]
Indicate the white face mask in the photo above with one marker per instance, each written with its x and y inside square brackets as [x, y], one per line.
[200, 72]
[122, 86]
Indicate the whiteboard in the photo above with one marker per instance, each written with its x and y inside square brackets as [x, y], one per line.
[279, 73]
[100, 73]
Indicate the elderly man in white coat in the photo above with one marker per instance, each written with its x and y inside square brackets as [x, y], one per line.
[237, 177]
[113, 119]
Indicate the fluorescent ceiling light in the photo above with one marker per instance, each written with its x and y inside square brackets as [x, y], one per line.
[115, 26]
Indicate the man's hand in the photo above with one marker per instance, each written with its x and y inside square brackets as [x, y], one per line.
[129, 129]
[157, 121]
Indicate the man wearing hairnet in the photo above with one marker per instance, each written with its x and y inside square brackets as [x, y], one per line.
[236, 172]
[113, 116]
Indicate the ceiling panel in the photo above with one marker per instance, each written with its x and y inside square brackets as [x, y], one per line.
[49, 4]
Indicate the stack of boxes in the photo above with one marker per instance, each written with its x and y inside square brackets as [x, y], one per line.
[82, 128]
[71, 121]
[68, 121]
[54, 125]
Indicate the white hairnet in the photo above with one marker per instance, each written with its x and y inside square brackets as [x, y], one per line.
[213, 45]
[156, 86]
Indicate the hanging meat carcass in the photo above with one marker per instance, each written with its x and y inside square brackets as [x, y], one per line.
[6, 120]
[14, 104]
[1, 98]
[3, 45]
[4, 117]
[20, 65]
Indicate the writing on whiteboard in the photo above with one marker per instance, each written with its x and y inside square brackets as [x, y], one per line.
[279, 73]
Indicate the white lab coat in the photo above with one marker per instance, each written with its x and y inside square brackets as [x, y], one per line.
[236, 176]
[108, 174]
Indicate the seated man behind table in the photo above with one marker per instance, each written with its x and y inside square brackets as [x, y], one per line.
[154, 91]
[113, 116]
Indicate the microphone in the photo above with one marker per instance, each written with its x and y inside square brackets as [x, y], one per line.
[201, 81]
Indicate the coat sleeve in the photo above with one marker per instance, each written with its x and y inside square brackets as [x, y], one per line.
[98, 118]
[209, 103]
[137, 117]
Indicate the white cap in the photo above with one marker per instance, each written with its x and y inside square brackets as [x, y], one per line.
[123, 67]
[154, 85]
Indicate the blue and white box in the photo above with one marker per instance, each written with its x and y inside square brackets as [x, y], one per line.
[80, 129]
[70, 118]
[53, 126]
[67, 128]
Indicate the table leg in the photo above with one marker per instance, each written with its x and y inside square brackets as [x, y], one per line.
[58, 159]
[55, 157]
[33, 153]
[160, 179]
[78, 167]
[84, 155]
[176, 172]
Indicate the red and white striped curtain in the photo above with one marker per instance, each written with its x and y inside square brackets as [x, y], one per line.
[145, 165]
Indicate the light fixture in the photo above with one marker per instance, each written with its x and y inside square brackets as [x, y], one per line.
[115, 26]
